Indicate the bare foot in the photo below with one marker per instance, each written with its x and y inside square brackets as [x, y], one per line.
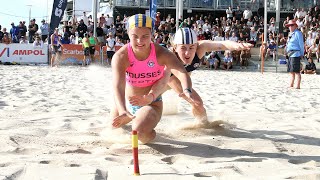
[298, 87]
[121, 120]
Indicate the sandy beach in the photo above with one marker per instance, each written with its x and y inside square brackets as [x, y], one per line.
[54, 124]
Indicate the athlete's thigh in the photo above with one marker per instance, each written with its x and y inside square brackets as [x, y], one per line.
[147, 117]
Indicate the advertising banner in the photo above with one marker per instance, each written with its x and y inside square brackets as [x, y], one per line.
[23, 54]
[73, 54]
[57, 12]
[153, 9]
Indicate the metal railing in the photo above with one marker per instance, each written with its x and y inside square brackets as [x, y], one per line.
[286, 5]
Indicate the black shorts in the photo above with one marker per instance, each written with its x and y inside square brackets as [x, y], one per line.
[56, 49]
[110, 54]
[92, 50]
[86, 51]
[44, 37]
[294, 64]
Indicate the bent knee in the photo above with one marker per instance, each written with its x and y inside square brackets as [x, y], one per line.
[146, 136]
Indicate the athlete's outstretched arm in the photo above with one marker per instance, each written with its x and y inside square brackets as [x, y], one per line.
[208, 46]
[119, 66]
[177, 68]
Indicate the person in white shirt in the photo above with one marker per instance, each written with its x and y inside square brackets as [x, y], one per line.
[110, 43]
[23, 40]
[109, 21]
[229, 13]
[73, 39]
[297, 14]
[206, 26]
[272, 28]
[38, 43]
[219, 37]
[119, 42]
[227, 61]
[85, 19]
[247, 14]
[233, 37]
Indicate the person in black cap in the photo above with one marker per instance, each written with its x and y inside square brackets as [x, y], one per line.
[32, 28]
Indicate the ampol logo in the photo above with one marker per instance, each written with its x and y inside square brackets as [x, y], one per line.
[4, 50]
[21, 52]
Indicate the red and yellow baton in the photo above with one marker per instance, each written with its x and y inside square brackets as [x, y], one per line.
[136, 171]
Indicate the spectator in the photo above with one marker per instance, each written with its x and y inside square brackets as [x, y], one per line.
[90, 27]
[253, 36]
[238, 13]
[6, 39]
[285, 28]
[85, 19]
[229, 13]
[23, 40]
[272, 28]
[4, 30]
[310, 67]
[1, 35]
[65, 37]
[295, 51]
[247, 14]
[244, 58]
[119, 42]
[44, 30]
[227, 61]
[73, 39]
[111, 42]
[214, 60]
[82, 28]
[271, 50]
[109, 21]
[32, 28]
[100, 35]
[38, 43]
[118, 21]
[102, 20]
[14, 31]
[308, 43]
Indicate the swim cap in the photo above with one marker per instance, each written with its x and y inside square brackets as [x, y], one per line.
[185, 36]
[140, 20]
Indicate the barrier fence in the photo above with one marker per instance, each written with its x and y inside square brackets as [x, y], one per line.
[71, 54]
[23, 54]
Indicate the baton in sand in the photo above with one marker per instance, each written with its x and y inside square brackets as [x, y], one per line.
[136, 171]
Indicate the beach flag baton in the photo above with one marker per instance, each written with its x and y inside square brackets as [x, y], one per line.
[136, 171]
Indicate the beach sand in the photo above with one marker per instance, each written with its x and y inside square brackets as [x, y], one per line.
[54, 124]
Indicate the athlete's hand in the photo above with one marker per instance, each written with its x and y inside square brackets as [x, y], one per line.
[190, 98]
[232, 45]
[122, 119]
[141, 100]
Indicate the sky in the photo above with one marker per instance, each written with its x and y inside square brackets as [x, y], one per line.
[18, 10]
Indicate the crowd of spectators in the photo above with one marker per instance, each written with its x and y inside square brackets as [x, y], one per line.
[240, 25]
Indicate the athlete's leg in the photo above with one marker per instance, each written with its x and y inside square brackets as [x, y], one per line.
[147, 118]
